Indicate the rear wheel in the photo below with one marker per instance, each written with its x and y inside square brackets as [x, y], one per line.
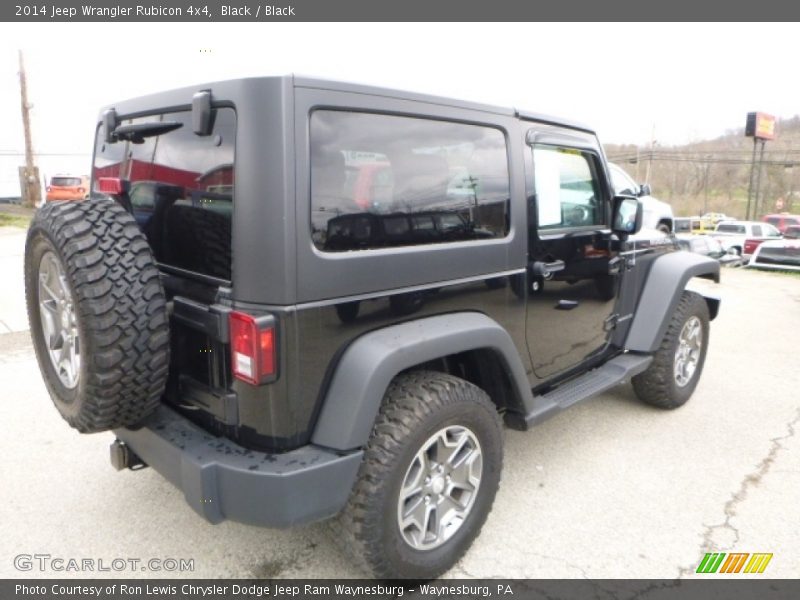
[671, 378]
[97, 314]
[430, 474]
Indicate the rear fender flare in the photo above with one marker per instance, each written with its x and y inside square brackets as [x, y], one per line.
[369, 364]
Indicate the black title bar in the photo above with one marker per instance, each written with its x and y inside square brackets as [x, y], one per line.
[210, 11]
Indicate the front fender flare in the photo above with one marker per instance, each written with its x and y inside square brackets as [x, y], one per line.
[369, 364]
[661, 293]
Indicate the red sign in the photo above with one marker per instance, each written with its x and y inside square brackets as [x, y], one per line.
[760, 125]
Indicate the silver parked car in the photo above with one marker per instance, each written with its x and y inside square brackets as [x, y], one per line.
[779, 254]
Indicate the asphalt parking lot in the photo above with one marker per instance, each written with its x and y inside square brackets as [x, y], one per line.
[609, 489]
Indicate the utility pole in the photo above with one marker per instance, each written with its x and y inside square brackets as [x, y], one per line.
[650, 159]
[30, 187]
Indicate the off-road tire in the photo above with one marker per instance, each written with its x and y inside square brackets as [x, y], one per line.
[657, 385]
[119, 307]
[416, 405]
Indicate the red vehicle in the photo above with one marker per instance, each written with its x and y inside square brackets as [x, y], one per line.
[750, 245]
[782, 220]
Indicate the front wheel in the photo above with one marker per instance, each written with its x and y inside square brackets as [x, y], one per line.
[671, 378]
[430, 474]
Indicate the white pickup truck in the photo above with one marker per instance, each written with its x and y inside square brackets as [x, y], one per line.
[733, 234]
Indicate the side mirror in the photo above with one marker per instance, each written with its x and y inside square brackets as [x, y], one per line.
[644, 190]
[110, 122]
[202, 113]
[627, 216]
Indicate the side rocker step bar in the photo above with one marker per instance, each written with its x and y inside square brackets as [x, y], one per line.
[595, 382]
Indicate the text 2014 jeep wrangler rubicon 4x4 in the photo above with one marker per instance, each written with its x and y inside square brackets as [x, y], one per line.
[299, 299]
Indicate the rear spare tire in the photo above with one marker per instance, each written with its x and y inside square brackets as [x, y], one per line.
[97, 314]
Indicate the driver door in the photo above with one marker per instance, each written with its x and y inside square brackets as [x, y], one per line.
[573, 273]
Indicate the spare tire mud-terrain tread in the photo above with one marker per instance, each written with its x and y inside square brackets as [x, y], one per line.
[122, 316]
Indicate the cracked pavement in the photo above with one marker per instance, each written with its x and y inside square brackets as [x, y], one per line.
[609, 489]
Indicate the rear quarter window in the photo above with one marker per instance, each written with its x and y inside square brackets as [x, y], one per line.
[419, 181]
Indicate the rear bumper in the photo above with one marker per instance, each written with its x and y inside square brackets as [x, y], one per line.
[221, 480]
[51, 196]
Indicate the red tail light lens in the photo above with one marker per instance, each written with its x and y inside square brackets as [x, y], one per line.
[253, 348]
[110, 185]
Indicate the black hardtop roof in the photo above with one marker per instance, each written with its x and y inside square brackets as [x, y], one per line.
[232, 87]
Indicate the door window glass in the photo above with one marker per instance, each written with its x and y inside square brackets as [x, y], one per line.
[567, 190]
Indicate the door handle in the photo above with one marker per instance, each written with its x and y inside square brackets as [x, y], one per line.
[547, 269]
[614, 265]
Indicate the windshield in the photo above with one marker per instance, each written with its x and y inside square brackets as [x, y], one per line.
[65, 181]
[792, 232]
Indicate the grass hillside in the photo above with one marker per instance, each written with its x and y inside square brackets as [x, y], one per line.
[714, 175]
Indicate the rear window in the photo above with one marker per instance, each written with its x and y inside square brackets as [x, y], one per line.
[730, 228]
[381, 180]
[182, 189]
[66, 181]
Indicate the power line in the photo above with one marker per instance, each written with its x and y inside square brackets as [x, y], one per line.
[721, 161]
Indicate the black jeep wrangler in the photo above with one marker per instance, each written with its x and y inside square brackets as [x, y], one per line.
[299, 299]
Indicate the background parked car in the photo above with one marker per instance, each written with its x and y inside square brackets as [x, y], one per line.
[693, 225]
[782, 220]
[707, 246]
[68, 187]
[716, 217]
[733, 234]
[779, 254]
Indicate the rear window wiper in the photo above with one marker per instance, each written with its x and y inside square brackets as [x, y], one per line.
[137, 132]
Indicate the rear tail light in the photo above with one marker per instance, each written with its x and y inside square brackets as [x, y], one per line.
[81, 190]
[253, 348]
[113, 186]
